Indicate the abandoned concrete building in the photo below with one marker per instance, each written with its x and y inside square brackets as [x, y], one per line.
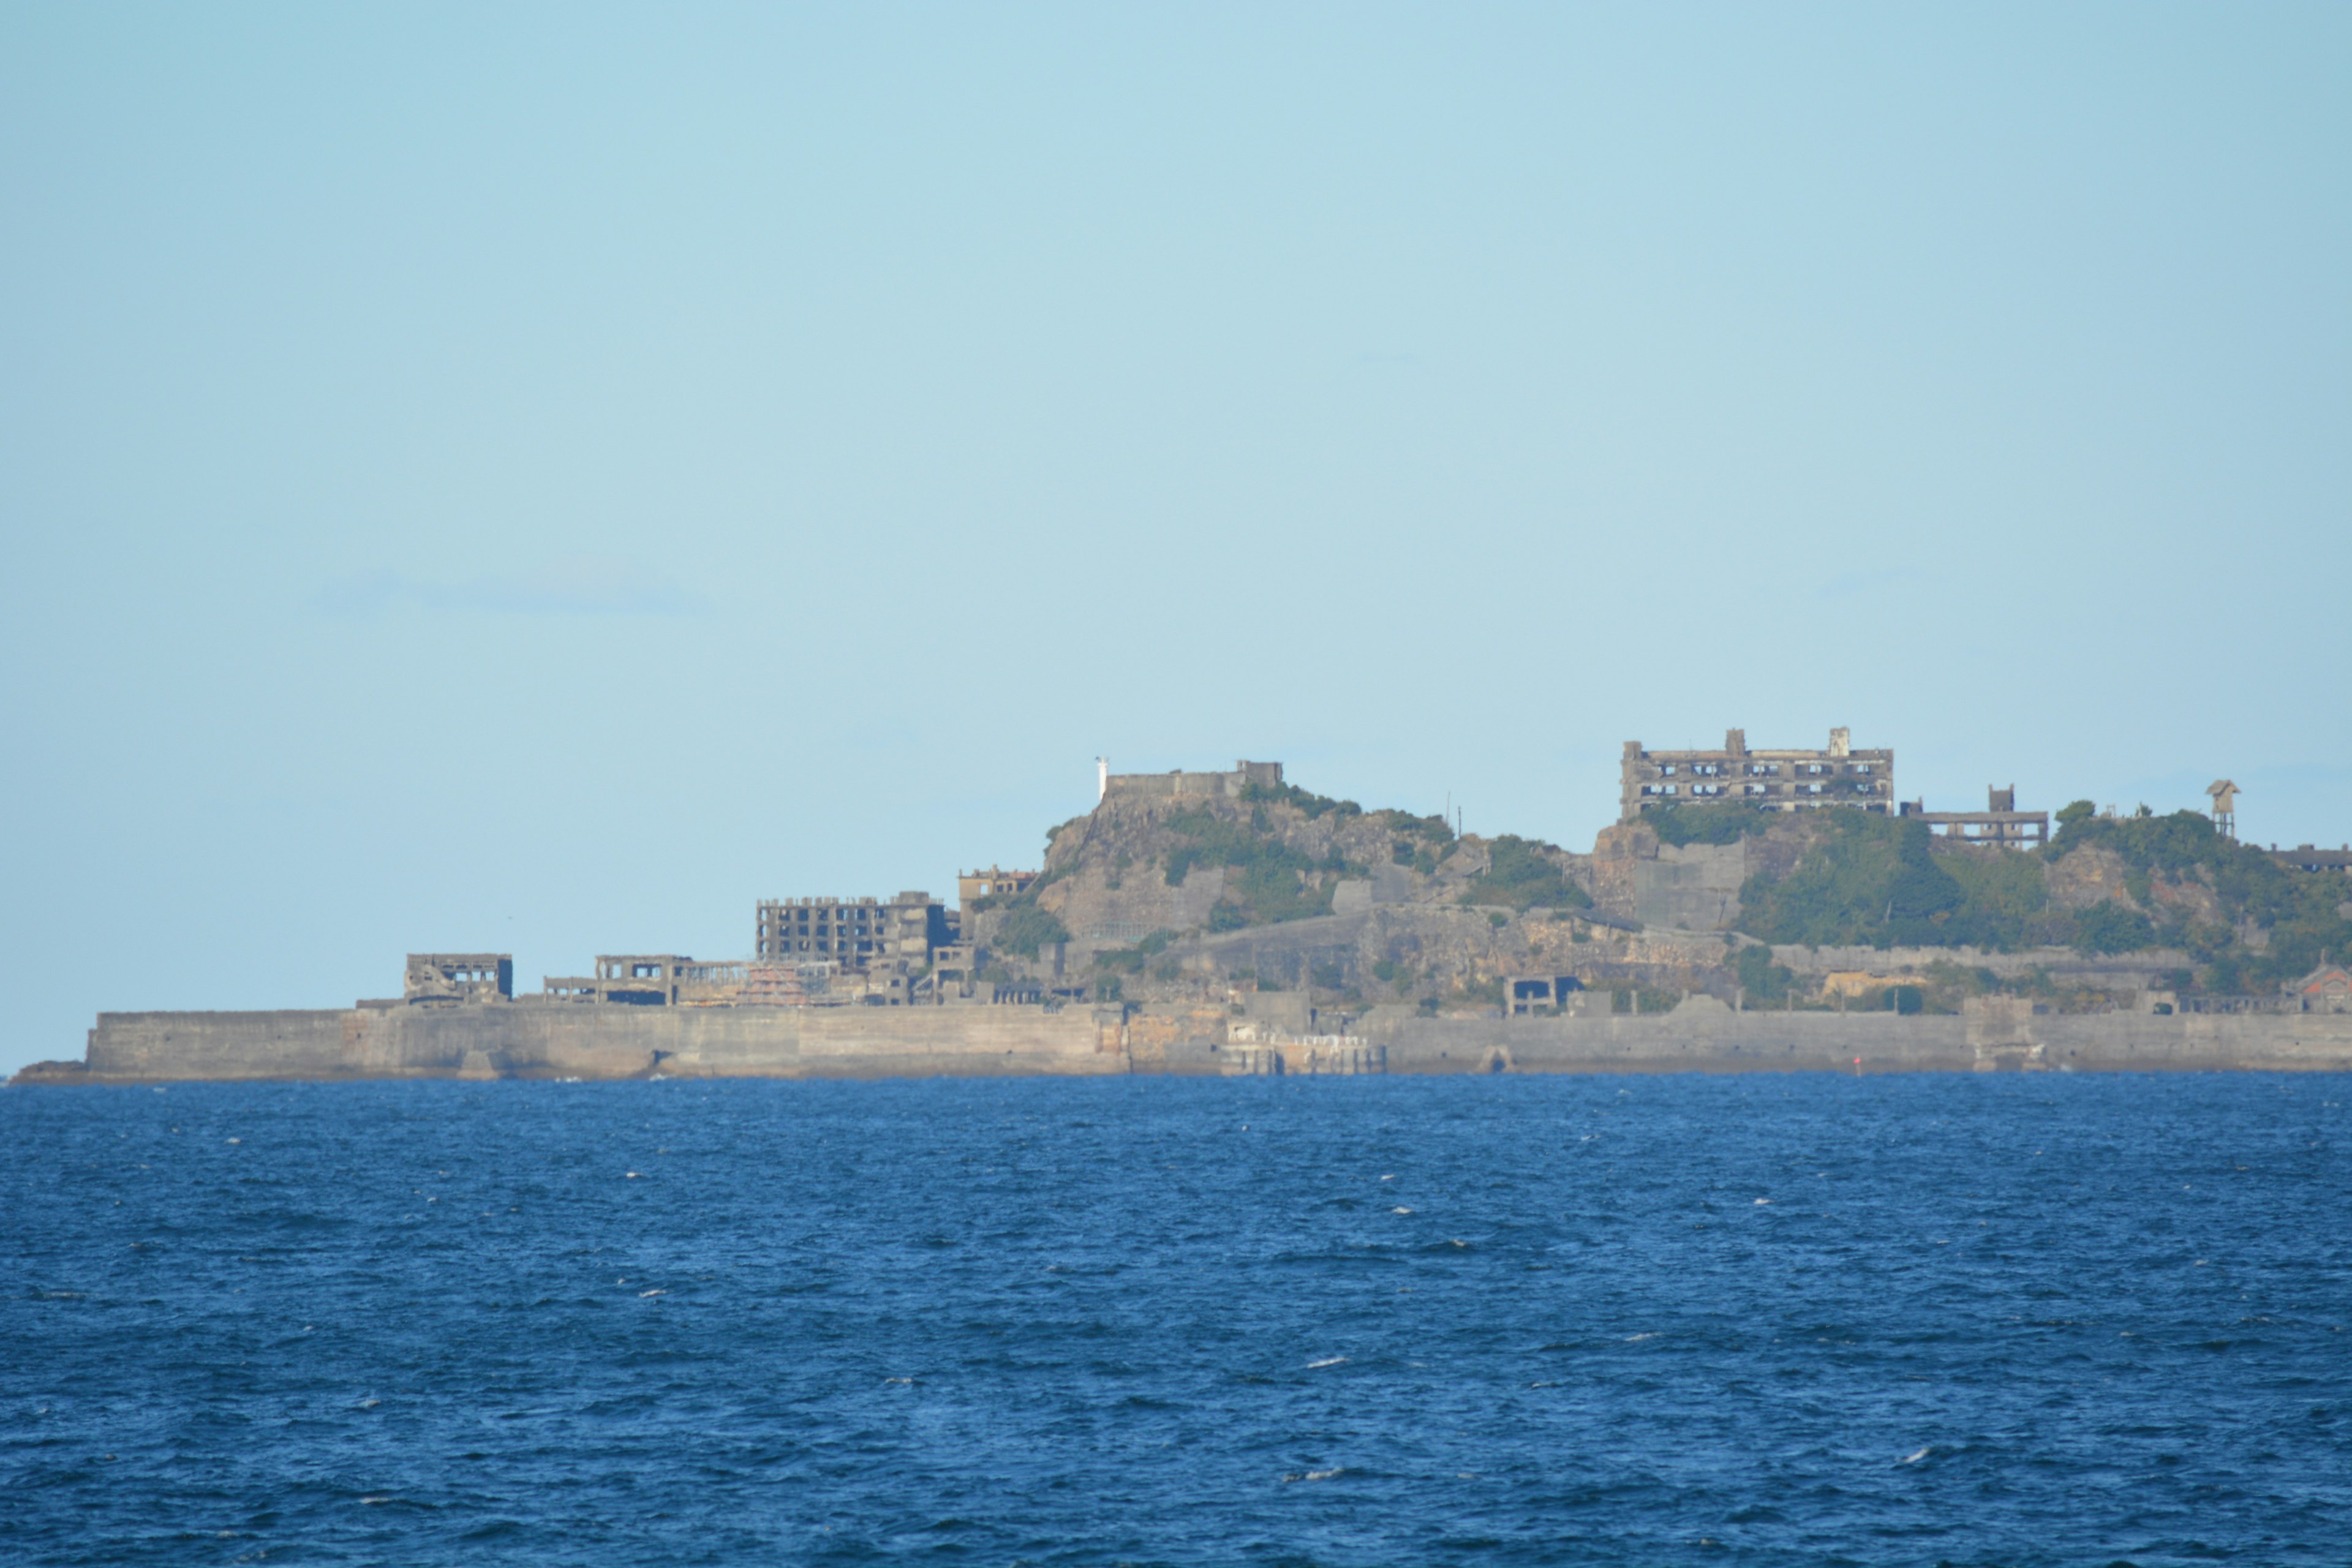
[2305, 858]
[994, 883]
[437, 977]
[852, 932]
[650, 980]
[914, 950]
[1770, 780]
[2000, 824]
[1226, 786]
[1525, 994]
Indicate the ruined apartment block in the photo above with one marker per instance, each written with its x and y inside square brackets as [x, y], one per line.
[1771, 781]
[856, 933]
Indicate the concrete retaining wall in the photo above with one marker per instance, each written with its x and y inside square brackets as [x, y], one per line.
[1700, 1036]
[509, 1041]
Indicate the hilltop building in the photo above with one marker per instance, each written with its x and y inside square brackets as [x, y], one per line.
[2000, 824]
[994, 883]
[1837, 776]
[2305, 858]
[1178, 782]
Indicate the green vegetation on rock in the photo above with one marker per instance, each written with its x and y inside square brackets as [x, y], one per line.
[1267, 880]
[1025, 927]
[1521, 874]
[1130, 960]
[1721, 823]
[1864, 879]
[1313, 804]
[1871, 880]
[1765, 983]
[2300, 911]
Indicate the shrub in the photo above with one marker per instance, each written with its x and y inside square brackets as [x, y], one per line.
[1727, 823]
[1270, 881]
[1866, 878]
[1025, 927]
[1521, 874]
[1763, 980]
[1314, 805]
[2107, 927]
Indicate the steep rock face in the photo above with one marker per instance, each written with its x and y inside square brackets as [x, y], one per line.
[1616, 851]
[2190, 897]
[1137, 865]
[1209, 885]
[1445, 954]
[2089, 875]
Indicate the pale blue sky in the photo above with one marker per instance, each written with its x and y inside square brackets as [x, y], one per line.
[544, 478]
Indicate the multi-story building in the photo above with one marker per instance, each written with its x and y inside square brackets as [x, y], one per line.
[856, 933]
[1773, 781]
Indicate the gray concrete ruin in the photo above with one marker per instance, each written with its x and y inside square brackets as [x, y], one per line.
[449, 978]
[1836, 775]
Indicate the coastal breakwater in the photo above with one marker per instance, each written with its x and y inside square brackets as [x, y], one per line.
[1702, 1035]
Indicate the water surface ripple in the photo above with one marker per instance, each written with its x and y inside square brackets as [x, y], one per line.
[1998, 1320]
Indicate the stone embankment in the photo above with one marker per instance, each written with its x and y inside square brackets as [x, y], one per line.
[1700, 1036]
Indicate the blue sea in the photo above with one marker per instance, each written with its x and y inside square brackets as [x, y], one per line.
[1766, 1320]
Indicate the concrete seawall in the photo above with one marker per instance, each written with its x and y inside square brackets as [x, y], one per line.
[1701, 1035]
[489, 1042]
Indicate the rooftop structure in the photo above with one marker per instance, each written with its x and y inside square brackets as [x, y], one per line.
[2000, 824]
[994, 883]
[1768, 780]
[2304, 858]
[2327, 989]
[2225, 807]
